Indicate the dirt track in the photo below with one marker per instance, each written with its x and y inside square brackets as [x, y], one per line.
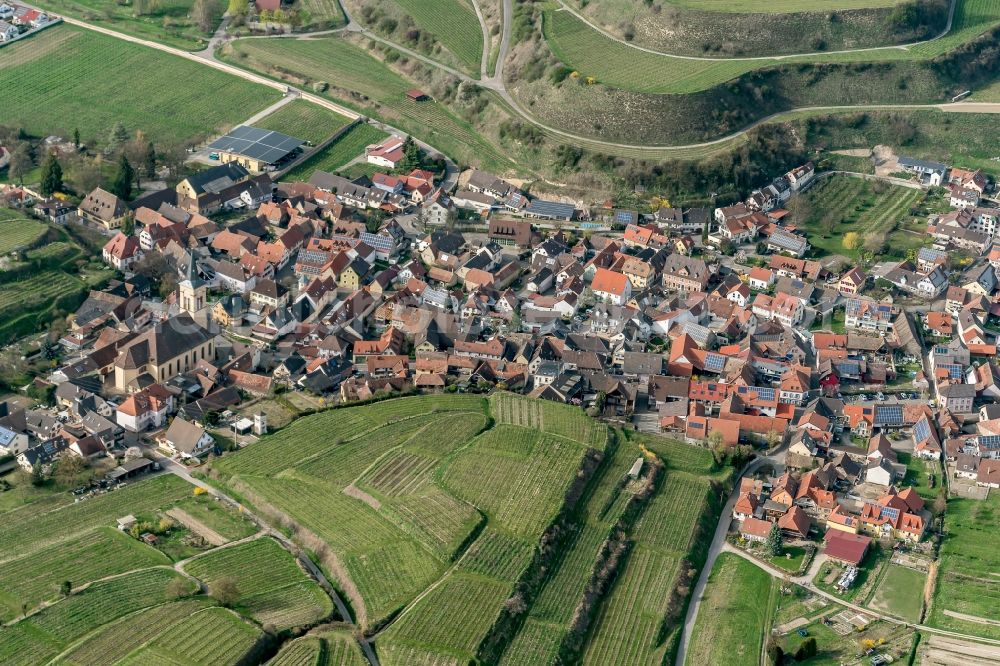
[198, 527]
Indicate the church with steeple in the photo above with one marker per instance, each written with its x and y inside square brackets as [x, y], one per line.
[192, 290]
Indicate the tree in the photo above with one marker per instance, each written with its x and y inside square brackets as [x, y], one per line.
[773, 438]
[204, 12]
[128, 224]
[66, 588]
[117, 138]
[773, 541]
[52, 176]
[775, 655]
[852, 241]
[21, 162]
[225, 591]
[149, 161]
[806, 649]
[411, 156]
[37, 476]
[939, 505]
[76, 138]
[237, 7]
[121, 185]
[178, 588]
[68, 470]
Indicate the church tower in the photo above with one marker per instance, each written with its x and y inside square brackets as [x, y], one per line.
[192, 290]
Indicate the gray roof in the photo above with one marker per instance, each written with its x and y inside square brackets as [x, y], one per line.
[218, 178]
[258, 144]
[912, 162]
[551, 209]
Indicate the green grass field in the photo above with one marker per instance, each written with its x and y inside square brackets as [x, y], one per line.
[304, 120]
[66, 78]
[900, 592]
[169, 21]
[17, 231]
[970, 556]
[217, 516]
[612, 63]
[334, 157]
[841, 204]
[455, 26]
[273, 589]
[353, 73]
[735, 614]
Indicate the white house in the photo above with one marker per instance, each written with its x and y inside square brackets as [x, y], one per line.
[186, 439]
[7, 31]
[12, 443]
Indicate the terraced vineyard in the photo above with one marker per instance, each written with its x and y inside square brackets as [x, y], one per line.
[395, 529]
[210, 636]
[454, 24]
[273, 589]
[67, 77]
[551, 417]
[17, 231]
[304, 120]
[105, 551]
[56, 628]
[628, 624]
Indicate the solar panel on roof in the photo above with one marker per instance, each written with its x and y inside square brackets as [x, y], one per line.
[258, 144]
[922, 430]
[715, 362]
[890, 512]
[989, 442]
[889, 414]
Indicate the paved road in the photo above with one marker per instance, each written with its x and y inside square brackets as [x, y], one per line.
[898, 47]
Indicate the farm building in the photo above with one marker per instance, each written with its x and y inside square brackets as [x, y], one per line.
[257, 150]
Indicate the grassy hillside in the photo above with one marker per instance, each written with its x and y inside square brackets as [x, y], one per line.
[716, 28]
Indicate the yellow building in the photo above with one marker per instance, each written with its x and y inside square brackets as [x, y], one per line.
[162, 352]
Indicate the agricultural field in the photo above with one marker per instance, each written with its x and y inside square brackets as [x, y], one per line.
[35, 578]
[838, 204]
[628, 625]
[168, 21]
[361, 81]
[549, 620]
[453, 24]
[210, 636]
[67, 77]
[330, 648]
[17, 231]
[338, 154]
[735, 614]
[58, 627]
[900, 592]
[322, 14]
[677, 455]
[551, 417]
[272, 588]
[304, 120]
[27, 530]
[966, 589]
[395, 528]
